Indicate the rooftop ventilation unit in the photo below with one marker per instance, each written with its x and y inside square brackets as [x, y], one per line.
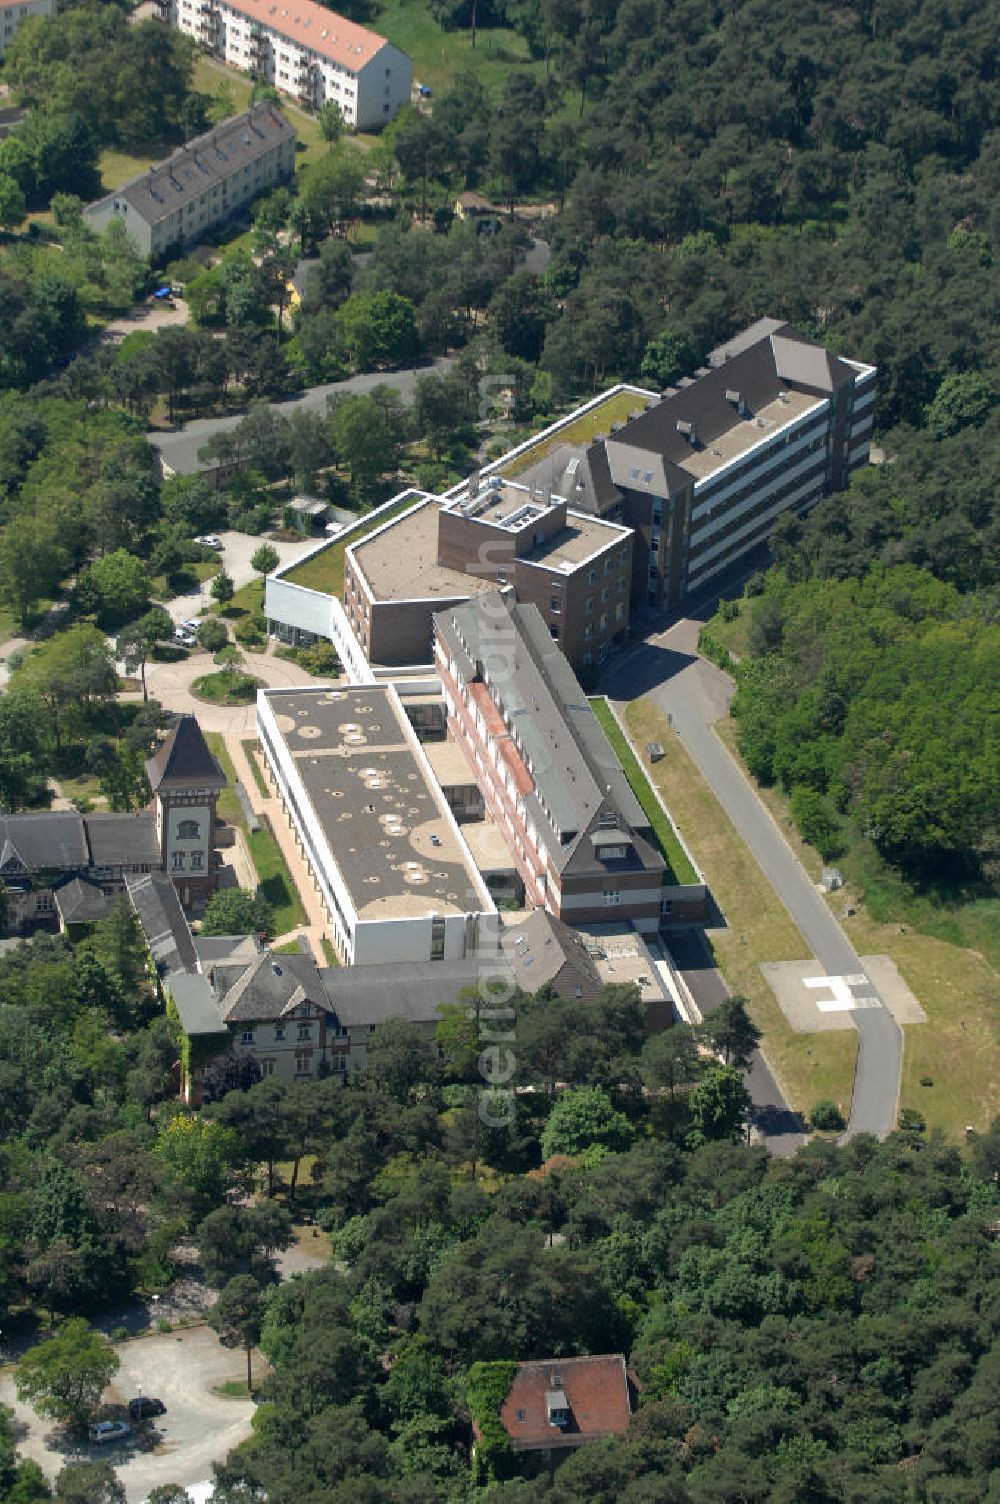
[684, 427]
[734, 397]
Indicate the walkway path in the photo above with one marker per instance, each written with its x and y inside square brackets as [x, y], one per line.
[694, 694]
[170, 683]
[318, 924]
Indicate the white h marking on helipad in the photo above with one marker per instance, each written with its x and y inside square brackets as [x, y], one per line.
[843, 999]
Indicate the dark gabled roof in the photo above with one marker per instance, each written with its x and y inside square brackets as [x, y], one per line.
[122, 840]
[579, 474]
[575, 776]
[270, 987]
[212, 159]
[184, 758]
[43, 839]
[80, 902]
[649, 453]
[368, 995]
[161, 918]
[226, 950]
[543, 951]
[595, 1391]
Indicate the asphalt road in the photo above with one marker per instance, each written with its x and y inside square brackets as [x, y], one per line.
[781, 1129]
[695, 694]
[179, 447]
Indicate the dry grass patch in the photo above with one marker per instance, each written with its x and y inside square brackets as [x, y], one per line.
[808, 1066]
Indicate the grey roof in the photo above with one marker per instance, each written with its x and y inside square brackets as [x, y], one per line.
[380, 810]
[751, 335]
[207, 161]
[184, 758]
[649, 453]
[368, 995]
[578, 473]
[195, 1002]
[43, 839]
[270, 987]
[80, 902]
[226, 949]
[164, 927]
[122, 840]
[543, 951]
[577, 777]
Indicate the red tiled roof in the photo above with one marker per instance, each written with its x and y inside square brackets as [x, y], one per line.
[312, 25]
[597, 1395]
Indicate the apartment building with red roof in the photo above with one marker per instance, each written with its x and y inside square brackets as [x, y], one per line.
[304, 50]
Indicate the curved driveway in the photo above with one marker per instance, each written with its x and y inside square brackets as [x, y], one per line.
[694, 694]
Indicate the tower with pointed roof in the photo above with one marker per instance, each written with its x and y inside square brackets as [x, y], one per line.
[186, 780]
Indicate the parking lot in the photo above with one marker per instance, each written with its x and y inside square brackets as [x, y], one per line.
[200, 1426]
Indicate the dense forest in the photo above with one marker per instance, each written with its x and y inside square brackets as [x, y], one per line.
[811, 1331]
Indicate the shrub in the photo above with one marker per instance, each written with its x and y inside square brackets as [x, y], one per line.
[213, 634]
[827, 1116]
[247, 631]
[816, 821]
[163, 1325]
[320, 658]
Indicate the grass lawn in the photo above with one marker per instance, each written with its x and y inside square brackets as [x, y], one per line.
[116, 167]
[273, 876]
[681, 870]
[332, 959]
[232, 1389]
[614, 409]
[808, 1066]
[290, 948]
[440, 56]
[325, 570]
[250, 750]
[957, 987]
[209, 76]
[733, 634]
[225, 688]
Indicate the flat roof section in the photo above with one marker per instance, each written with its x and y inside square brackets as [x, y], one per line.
[581, 539]
[450, 764]
[728, 446]
[401, 564]
[489, 848]
[381, 814]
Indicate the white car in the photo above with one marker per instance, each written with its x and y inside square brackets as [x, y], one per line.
[191, 624]
[209, 540]
[185, 638]
[109, 1430]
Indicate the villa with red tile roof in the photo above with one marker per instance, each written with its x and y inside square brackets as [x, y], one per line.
[560, 1403]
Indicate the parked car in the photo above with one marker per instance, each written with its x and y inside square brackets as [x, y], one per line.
[185, 638]
[209, 540]
[144, 1407]
[191, 624]
[425, 91]
[109, 1430]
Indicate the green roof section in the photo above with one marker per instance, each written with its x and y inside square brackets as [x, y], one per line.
[614, 408]
[324, 569]
[679, 864]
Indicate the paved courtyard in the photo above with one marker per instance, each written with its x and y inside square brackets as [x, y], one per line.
[814, 1001]
[199, 1427]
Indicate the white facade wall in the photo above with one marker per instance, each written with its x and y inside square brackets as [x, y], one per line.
[368, 97]
[365, 942]
[12, 17]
